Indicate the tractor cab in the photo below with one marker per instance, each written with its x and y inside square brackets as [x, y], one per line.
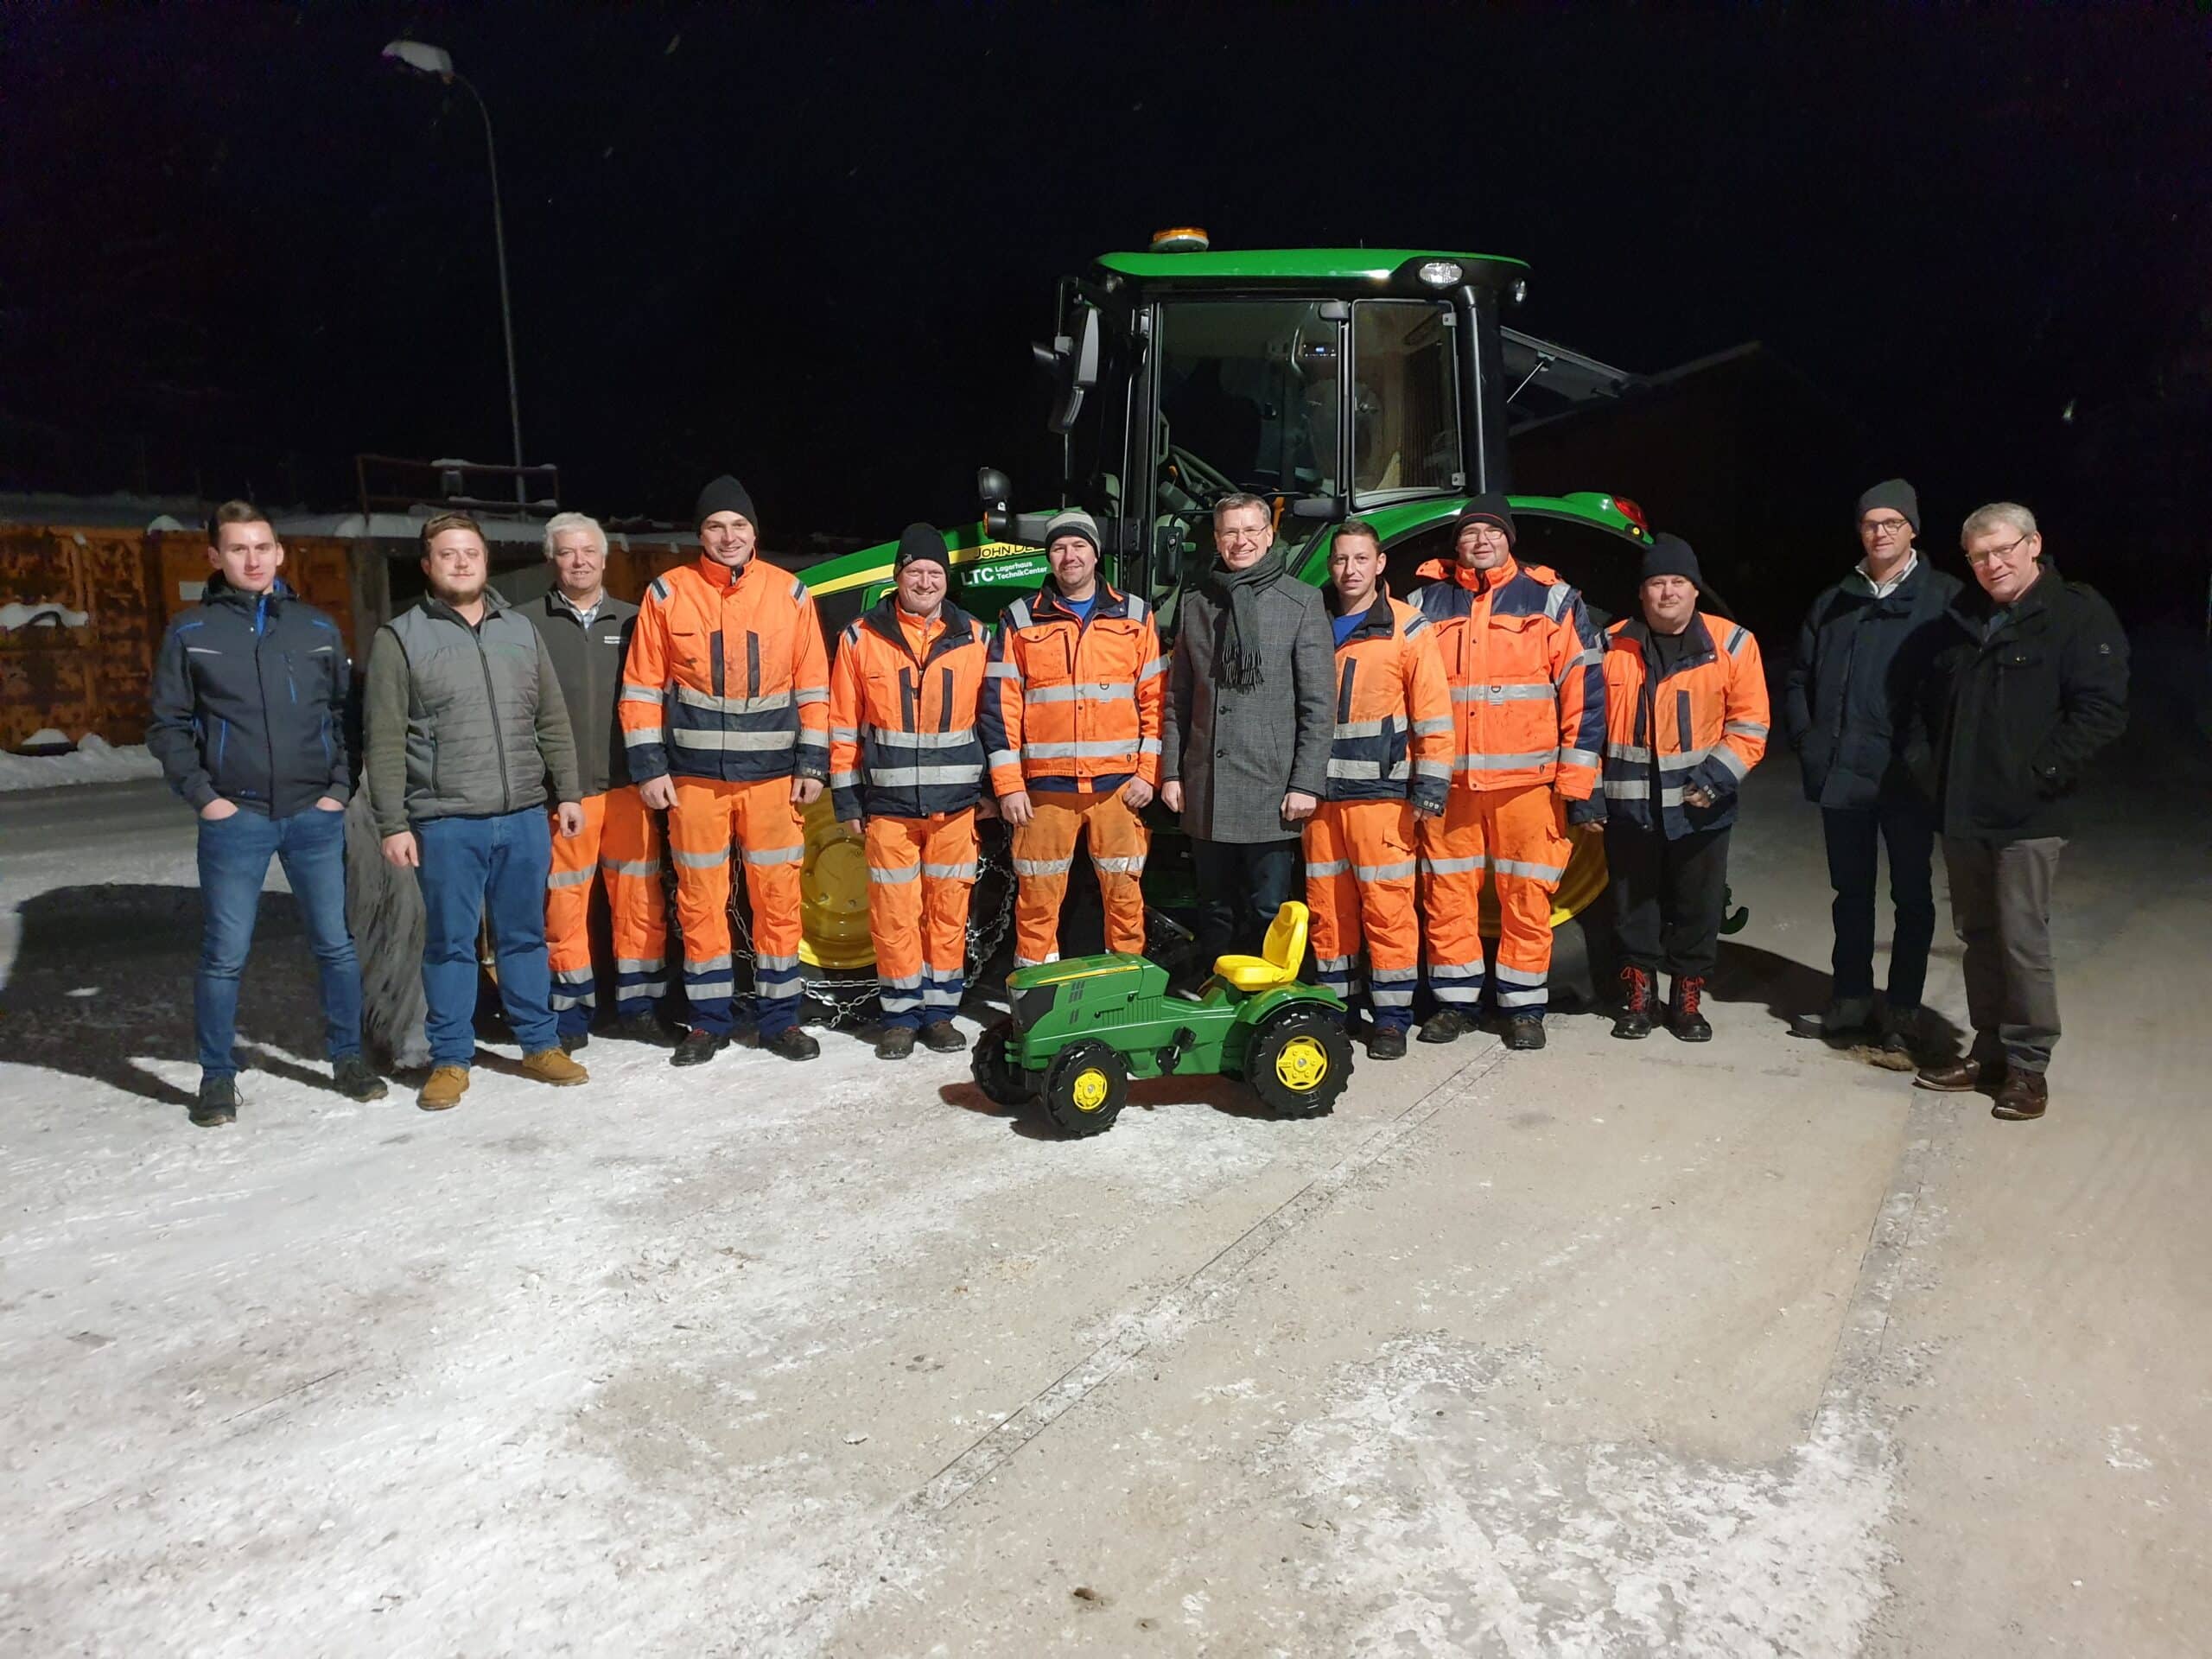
[1327, 382]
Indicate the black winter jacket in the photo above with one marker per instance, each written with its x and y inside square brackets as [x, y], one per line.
[1848, 698]
[249, 702]
[2007, 720]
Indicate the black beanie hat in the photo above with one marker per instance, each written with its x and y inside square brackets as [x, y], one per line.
[1489, 508]
[725, 494]
[921, 544]
[1898, 496]
[1670, 556]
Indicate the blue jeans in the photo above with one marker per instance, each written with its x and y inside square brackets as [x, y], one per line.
[471, 866]
[234, 854]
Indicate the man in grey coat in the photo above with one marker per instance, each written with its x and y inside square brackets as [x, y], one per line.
[1244, 751]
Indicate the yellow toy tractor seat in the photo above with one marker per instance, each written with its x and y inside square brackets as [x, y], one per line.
[1285, 949]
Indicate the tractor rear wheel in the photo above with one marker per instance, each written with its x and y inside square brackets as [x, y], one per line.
[995, 1074]
[1085, 1088]
[1299, 1062]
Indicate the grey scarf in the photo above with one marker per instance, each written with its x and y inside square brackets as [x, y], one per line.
[1236, 659]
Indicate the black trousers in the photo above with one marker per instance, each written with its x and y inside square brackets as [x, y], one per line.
[1907, 828]
[1241, 886]
[1667, 897]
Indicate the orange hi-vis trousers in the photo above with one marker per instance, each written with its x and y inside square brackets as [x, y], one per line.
[622, 845]
[1359, 885]
[1044, 853]
[1515, 835]
[920, 873]
[758, 819]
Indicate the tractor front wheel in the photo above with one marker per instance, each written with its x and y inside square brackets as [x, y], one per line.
[996, 1075]
[1299, 1062]
[1085, 1088]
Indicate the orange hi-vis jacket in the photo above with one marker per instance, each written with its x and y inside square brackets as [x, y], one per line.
[1392, 738]
[1072, 704]
[727, 676]
[1703, 726]
[903, 693]
[1528, 695]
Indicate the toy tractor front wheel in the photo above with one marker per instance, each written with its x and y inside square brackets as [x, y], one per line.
[1002, 1084]
[1299, 1062]
[1085, 1088]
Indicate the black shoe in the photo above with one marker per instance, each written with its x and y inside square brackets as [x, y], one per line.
[896, 1043]
[1686, 1011]
[573, 1041]
[791, 1045]
[698, 1048]
[939, 1038]
[639, 1028]
[1633, 1022]
[1525, 1031]
[1444, 1025]
[218, 1103]
[1387, 1045]
[356, 1079]
[1850, 1017]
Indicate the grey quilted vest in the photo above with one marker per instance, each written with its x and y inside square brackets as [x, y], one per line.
[472, 712]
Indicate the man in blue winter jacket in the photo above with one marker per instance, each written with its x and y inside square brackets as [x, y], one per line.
[1862, 657]
[248, 707]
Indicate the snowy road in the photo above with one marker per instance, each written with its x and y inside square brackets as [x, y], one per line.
[1606, 1349]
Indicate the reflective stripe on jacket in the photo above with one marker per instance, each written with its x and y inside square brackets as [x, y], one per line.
[1528, 696]
[1393, 737]
[903, 742]
[1074, 705]
[1704, 725]
[727, 677]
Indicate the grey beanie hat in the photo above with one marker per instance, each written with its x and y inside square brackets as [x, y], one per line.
[1072, 521]
[1898, 496]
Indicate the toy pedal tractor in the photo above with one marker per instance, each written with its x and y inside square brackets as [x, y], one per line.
[1079, 1030]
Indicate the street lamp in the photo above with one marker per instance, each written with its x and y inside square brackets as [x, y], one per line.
[419, 58]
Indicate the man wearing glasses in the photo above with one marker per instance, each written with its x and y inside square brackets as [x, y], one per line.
[2031, 682]
[1861, 657]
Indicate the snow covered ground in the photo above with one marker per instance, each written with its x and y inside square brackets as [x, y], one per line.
[95, 760]
[1608, 1350]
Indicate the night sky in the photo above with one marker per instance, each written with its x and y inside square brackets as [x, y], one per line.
[812, 245]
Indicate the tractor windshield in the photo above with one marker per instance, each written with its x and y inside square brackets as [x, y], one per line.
[1248, 396]
[1405, 428]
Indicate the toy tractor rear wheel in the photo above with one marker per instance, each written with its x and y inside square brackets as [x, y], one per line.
[1299, 1062]
[1085, 1088]
[996, 1075]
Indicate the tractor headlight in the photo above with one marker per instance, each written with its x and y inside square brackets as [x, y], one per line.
[1441, 273]
[1029, 1006]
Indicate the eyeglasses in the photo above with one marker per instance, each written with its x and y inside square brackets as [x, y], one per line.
[1884, 527]
[2006, 552]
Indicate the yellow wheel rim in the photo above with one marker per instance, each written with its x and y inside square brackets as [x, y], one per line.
[1302, 1063]
[1090, 1091]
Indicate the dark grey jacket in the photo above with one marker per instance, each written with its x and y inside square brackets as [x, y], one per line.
[588, 661]
[1238, 753]
[463, 722]
[250, 703]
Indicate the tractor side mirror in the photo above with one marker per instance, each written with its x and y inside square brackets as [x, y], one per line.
[1073, 361]
[1321, 509]
[994, 487]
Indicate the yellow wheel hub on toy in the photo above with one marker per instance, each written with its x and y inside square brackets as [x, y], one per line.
[1089, 1090]
[1302, 1063]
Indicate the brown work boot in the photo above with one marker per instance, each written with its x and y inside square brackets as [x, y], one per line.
[1956, 1077]
[551, 1066]
[447, 1085]
[2024, 1096]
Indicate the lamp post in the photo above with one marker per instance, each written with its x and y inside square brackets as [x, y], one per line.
[419, 58]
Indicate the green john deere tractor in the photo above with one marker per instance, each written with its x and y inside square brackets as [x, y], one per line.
[1331, 382]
